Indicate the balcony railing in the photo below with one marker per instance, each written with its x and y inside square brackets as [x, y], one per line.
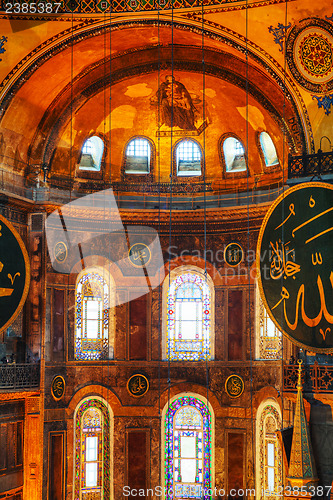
[310, 165]
[315, 378]
[19, 376]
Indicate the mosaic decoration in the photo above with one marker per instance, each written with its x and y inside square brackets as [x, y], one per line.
[92, 317]
[187, 440]
[309, 52]
[279, 33]
[324, 102]
[58, 387]
[137, 385]
[92, 421]
[14, 273]
[294, 260]
[189, 319]
[270, 471]
[3, 39]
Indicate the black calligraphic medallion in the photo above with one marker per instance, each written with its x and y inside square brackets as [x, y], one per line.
[139, 255]
[14, 273]
[58, 387]
[233, 254]
[234, 386]
[295, 264]
[137, 385]
[60, 252]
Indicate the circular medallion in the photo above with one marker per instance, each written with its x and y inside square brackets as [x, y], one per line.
[137, 385]
[60, 252]
[309, 51]
[139, 255]
[233, 254]
[295, 265]
[58, 387]
[234, 386]
[14, 273]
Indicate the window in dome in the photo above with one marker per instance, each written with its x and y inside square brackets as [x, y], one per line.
[268, 149]
[188, 449]
[91, 154]
[234, 155]
[188, 159]
[137, 158]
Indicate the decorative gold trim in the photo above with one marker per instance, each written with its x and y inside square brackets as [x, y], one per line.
[129, 381]
[261, 233]
[27, 272]
[225, 250]
[234, 375]
[52, 390]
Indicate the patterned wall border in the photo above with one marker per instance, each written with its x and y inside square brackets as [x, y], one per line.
[65, 39]
[78, 8]
[306, 83]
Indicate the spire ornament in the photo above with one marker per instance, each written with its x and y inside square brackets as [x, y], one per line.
[302, 468]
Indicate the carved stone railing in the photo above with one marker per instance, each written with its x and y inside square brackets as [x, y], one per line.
[19, 376]
[315, 378]
[312, 165]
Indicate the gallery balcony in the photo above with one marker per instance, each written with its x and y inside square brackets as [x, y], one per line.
[19, 376]
[315, 378]
[310, 167]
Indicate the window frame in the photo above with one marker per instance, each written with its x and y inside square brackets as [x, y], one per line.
[174, 275]
[186, 179]
[169, 413]
[107, 321]
[267, 168]
[139, 177]
[237, 173]
[92, 174]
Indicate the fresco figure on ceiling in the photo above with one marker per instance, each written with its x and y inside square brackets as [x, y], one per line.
[177, 108]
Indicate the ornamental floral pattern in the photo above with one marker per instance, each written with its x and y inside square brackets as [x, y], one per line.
[189, 319]
[92, 305]
[92, 420]
[187, 449]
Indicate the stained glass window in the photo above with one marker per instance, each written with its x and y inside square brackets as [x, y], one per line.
[270, 457]
[92, 450]
[189, 318]
[92, 317]
[269, 336]
[187, 449]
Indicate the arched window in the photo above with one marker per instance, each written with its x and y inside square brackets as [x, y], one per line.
[188, 158]
[92, 450]
[91, 154]
[137, 156]
[188, 449]
[189, 317]
[269, 458]
[268, 335]
[93, 303]
[268, 149]
[234, 155]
